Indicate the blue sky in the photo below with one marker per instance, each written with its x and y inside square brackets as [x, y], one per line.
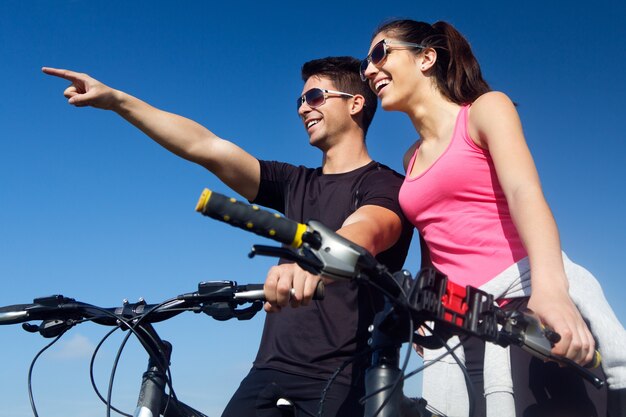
[92, 209]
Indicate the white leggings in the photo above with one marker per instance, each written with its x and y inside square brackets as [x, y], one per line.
[443, 383]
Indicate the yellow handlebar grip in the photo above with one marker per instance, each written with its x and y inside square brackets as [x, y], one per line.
[596, 361]
[203, 200]
[297, 239]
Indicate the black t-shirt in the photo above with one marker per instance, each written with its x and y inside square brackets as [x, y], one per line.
[315, 340]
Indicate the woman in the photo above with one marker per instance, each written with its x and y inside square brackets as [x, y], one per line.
[473, 192]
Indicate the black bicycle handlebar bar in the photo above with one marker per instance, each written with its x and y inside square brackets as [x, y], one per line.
[66, 309]
[58, 307]
[14, 314]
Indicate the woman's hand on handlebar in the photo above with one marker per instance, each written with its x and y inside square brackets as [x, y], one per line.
[560, 314]
[279, 283]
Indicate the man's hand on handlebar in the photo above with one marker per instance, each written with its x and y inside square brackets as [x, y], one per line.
[279, 283]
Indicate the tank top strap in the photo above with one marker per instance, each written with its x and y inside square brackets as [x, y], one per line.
[462, 128]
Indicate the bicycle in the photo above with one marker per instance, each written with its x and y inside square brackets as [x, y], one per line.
[409, 303]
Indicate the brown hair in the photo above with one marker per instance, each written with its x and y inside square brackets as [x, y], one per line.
[343, 71]
[456, 70]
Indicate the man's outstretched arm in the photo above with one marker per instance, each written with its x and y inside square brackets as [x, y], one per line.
[184, 137]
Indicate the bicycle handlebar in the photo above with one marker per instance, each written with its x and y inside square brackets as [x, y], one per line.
[61, 307]
[14, 314]
[215, 298]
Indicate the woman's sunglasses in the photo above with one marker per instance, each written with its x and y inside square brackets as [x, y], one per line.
[379, 53]
[315, 97]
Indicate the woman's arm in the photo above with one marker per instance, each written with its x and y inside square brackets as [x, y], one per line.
[495, 125]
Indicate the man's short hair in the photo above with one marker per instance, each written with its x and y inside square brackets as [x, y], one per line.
[343, 71]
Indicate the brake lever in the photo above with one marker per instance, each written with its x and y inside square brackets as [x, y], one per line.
[304, 257]
[49, 328]
[223, 311]
[525, 330]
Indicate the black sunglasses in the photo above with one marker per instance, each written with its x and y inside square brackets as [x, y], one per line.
[315, 97]
[380, 51]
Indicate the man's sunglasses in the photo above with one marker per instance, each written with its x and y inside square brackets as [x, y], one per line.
[380, 51]
[315, 97]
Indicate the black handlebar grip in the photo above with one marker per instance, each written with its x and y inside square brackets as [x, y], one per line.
[14, 314]
[320, 290]
[251, 218]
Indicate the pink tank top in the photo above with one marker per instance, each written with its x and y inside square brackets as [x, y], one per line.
[458, 206]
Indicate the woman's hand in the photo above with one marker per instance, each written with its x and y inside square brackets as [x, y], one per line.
[557, 311]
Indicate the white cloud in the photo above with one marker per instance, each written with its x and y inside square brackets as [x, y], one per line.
[77, 346]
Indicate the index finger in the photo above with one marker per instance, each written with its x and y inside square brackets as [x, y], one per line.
[61, 73]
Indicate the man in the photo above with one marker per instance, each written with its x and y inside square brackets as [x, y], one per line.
[300, 347]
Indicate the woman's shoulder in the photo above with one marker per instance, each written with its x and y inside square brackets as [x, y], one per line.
[492, 100]
[491, 108]
[492, 115]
